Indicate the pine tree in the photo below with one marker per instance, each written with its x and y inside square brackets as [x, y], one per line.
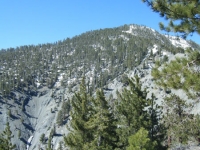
[80, 115]
[53, 131]
[103, 125]
[5, 139]
[155, 126]
[187, 13]
[131, 111]
[66, 106]
[42, 138]
[49, 144]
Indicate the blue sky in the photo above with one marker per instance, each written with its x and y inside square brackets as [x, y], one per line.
[26, 22]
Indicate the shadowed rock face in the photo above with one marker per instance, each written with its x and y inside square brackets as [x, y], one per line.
[37, 118]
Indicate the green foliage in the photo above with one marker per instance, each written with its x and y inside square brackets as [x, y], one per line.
[93, 125]
[165, 59]
[53, 131]
[49, 144]
[102, 124]
[180, 74]
[80, 114]
[66, 106]
[194, 127]
[134, 112]
[50, 138]
[187, 13]
[63, 114]
[157, 63]
[177, 120]
[140, 141]
[42, 138]
[155, 126]
[130, 111]
[5, 139]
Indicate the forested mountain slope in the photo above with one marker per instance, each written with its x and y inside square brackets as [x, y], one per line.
[37, 79]
[104, 53]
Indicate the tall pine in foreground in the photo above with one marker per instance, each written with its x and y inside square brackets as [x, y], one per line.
[5, 139]
[80, 114]
[132, 111]
[102, 125]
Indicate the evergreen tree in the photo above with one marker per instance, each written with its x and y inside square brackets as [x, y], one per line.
[80, 115]
[103, 125]
[165, 58]
[66, 106]
[42, 138]
[5, 139]
[155, 126]
[131, 111]
[49, 144]
[177, 120]
[186, 12]
[53, 131]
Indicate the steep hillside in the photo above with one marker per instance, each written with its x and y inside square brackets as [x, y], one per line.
[36, 81]
[104, 53]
